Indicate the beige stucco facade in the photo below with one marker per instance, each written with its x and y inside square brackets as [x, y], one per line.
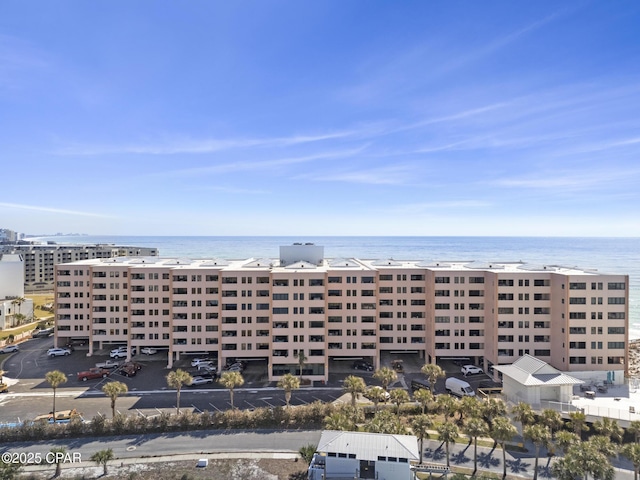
[576, 320]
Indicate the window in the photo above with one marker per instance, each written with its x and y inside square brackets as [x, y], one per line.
[616, 300]
[616, 286]
[577, 286]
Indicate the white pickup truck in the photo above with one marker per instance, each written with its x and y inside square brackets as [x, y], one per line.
[108, 364]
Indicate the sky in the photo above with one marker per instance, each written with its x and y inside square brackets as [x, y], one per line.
[334, 117]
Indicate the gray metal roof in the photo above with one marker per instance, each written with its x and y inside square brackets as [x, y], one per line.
[369, 446]
[530, 371]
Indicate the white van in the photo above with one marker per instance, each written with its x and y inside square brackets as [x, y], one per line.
[459, 387]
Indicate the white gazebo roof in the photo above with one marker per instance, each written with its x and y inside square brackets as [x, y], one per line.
[530, 371]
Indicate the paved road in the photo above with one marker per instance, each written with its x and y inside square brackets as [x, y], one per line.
[132, 446]
[213, 442]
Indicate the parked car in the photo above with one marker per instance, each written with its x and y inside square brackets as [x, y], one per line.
[58, 352]
[93, 373]
[148, 351]
[108, 364]
[234, 368]
[197, 361]
[200, 380]
[130, 369]
[460, 388]
[420, 384]
[9, 349]
[362, 365]
[121, 352]
[471, 370]
[44, 332]
[207, 367]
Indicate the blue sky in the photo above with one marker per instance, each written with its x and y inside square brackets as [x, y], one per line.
[320, 118]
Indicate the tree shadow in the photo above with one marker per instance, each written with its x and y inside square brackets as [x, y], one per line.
[460, 458]
[545, 471]
[437, 454]
[487, 461]
[518, 466]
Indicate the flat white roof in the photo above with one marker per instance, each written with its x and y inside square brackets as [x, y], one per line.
[342, 264]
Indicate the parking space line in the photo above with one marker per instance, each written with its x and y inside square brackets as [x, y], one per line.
[217, 409]
[271, 405]
[199, 411]
[250, 404]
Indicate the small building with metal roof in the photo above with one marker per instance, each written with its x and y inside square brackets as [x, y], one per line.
[364, 455]
[535, 382]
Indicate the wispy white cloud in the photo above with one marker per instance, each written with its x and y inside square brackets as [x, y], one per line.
[199, 146]
[260, 164]
[231, 190]
[392, 175]
[601, 146]
[53, 210]
[570, 180]
[441, 205]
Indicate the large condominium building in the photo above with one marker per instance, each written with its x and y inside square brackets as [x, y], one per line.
[40, 260]
[332, 309]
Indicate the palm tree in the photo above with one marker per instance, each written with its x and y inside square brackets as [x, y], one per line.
[565, 439]
[609, 428]
[420, 426]
[539, 435]
[578, 422]
[448, 433]
[503, 431]
[376, 394]
[113, 390]
[386, 376]
[446, 405]
[302, 359]
[582, 459]
[17, 302]
[176, 380]
[398, 396]
[632, 452]
[476, 427]
[493, 408]
[433, 373]
[288, 383]
[523, 413]
[102, 457]
[469, 407]
[354, 385]
[424, 397]
[385, 421]
[338, 421]
[633, 428]
[58, 453]
[55, 378]
[231, 380]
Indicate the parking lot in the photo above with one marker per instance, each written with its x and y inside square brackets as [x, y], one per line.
[149, 393]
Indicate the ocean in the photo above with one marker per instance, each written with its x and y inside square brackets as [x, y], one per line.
[607, 255]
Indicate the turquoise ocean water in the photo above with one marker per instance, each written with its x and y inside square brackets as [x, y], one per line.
[607, 255]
